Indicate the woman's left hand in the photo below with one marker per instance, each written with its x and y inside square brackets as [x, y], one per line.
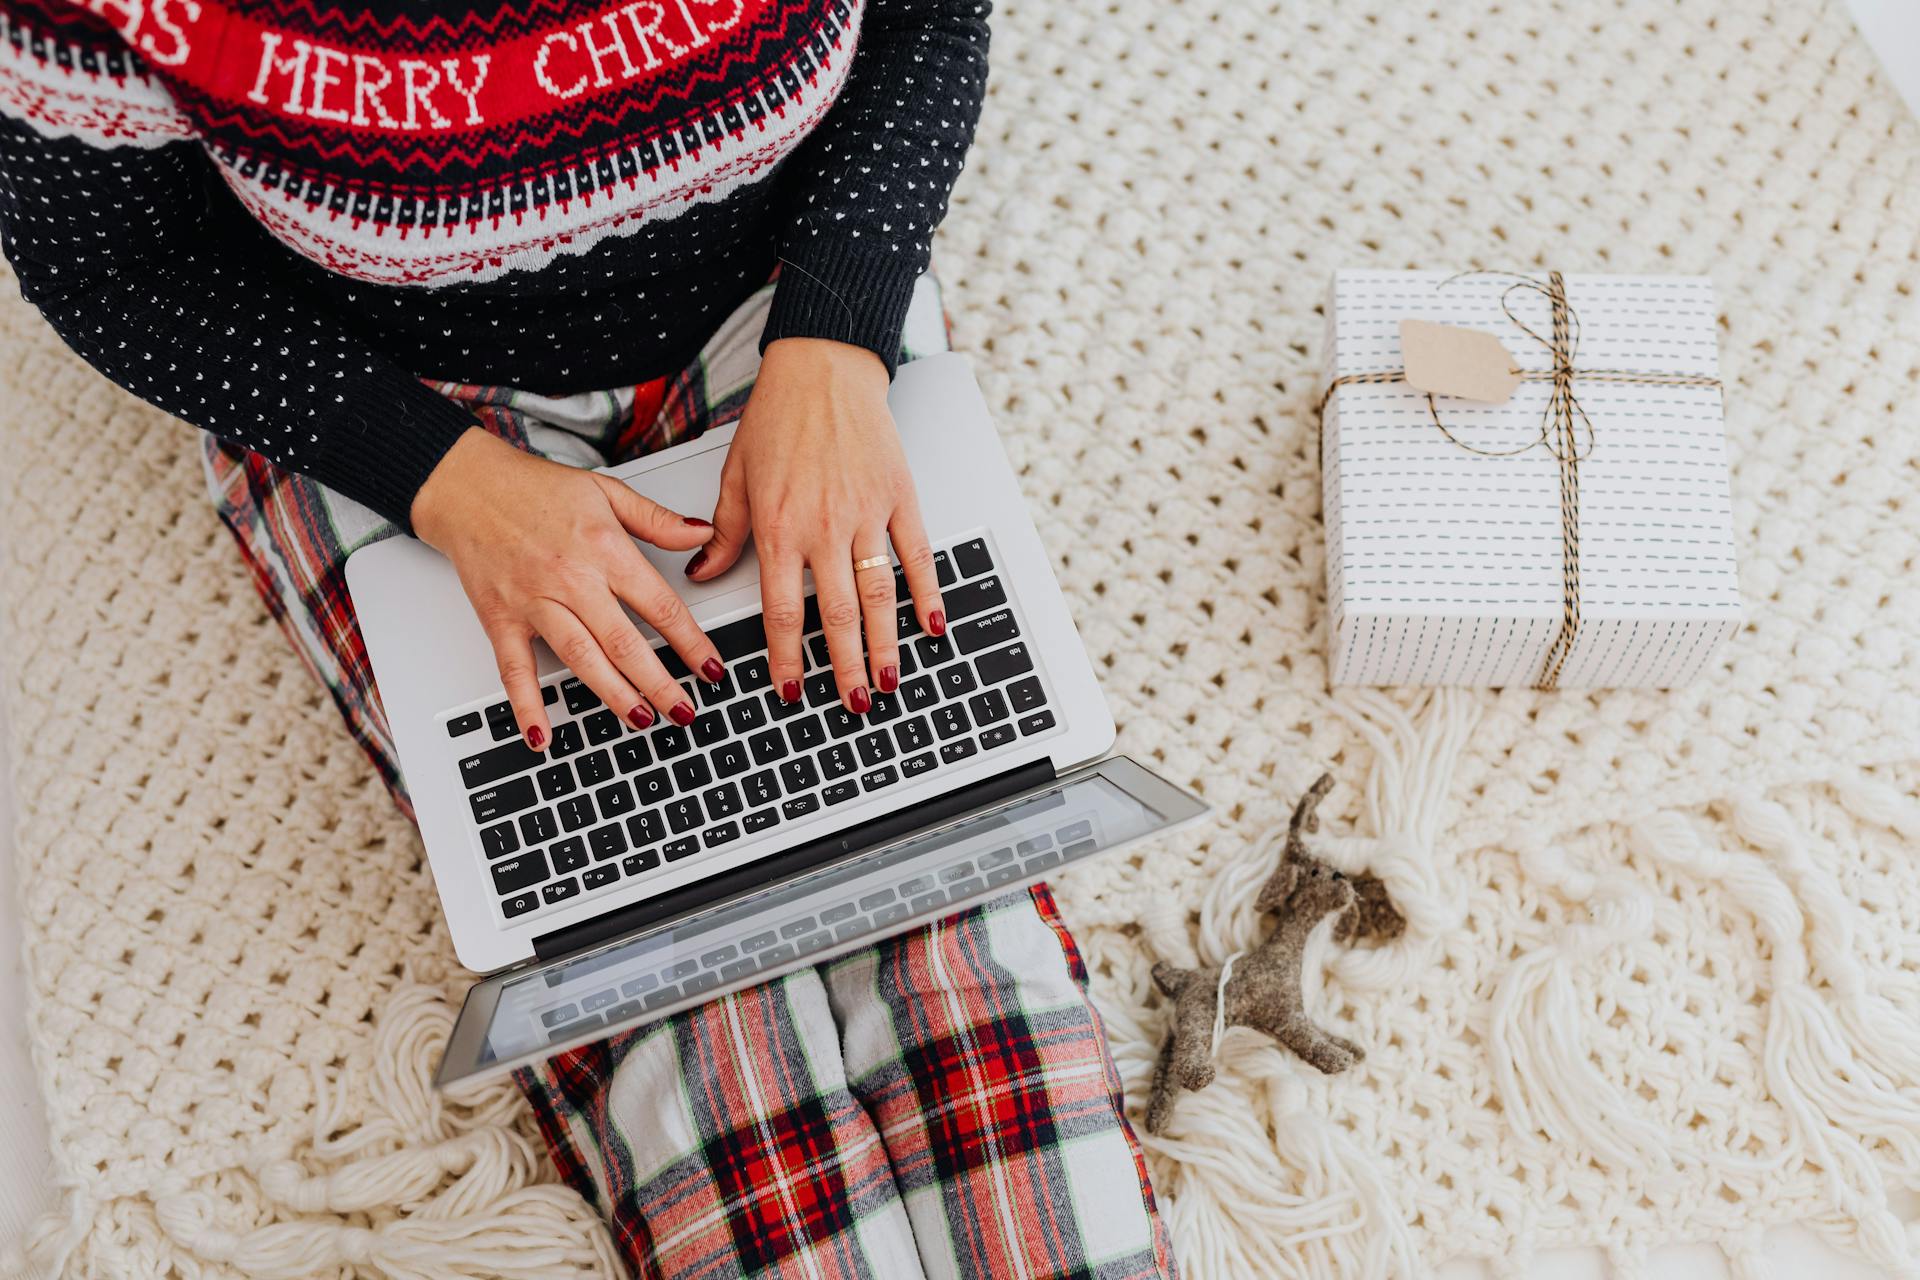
[817, 477]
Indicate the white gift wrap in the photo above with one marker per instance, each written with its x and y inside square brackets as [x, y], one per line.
[1444, 566]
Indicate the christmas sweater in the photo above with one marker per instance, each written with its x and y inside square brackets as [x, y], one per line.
[274, 218]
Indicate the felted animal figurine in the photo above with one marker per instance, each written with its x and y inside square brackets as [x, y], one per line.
[1262, 989]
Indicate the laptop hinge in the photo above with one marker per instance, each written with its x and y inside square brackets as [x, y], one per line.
[754, 876]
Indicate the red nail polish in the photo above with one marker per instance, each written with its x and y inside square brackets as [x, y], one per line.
[858, 701]
[641, 716]
[536, 737]
[697, 522]
[712, 671]
[790, 691]
[937, 623]
[698, 562]
[682, 713]
[889, 679]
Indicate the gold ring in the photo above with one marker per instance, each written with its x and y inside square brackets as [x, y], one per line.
[872, 562]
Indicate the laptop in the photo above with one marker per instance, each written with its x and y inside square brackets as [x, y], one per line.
[620, 876]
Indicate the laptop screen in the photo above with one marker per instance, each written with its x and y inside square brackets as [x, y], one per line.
[528, 1013]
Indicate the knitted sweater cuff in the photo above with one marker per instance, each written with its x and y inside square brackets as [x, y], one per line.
[846, 297]
[415, 433]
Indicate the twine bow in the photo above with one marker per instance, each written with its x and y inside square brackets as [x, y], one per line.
[1561, 424]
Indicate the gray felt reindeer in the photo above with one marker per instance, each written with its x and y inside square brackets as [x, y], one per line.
[1262, 990]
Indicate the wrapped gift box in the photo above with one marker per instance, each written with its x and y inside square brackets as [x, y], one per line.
[1447, 566]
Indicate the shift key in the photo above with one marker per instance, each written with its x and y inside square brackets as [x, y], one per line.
[973, 597]
[498, 802]
[997, 627]
[502, 762]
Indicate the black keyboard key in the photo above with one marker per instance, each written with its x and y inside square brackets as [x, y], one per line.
[465, 724]
[840, 792]
[692, 773]
[576, 812]
[818, 654]
[943, 569]
[906, 622]
[580, 699]
[570, 854]
[725, 833]
[539, 827]
[606, 842]
[907, 664]
[955, 680]
[712, 695]
[614, 800]
[500, 711]
[685, 847]
[549, 694]
[768, 747]
[933, 650]
[500, 762]
[683, 815]
[730, 759]
[594, 768]
[646, 828]
[1038, 722]
[739, 639]
[500, 720]
[918, 694]
[840, 721]
[555, 781]
[886, 708]
[566, 739]
[710, 728]
[806, 734]
[799, 775]
[760, 788]
[1026, 695]
[675, 666]
[874, 779]
[634, 863]
[500, 840]
[560, 890]
[745, 716]
[653, 787]
[632, 754]
[670, 740]
[913, 735]
[988, 707]
[973, 597]
[950, 721]
[502, 801]
[779, 709]
[798, 806]
[984, 633]
[602, 726]
[723, 801]
[875, 748]
[955, 752]
[523, 872]
[837, 761]
[998, 736]
[753, 674]
[973, 558]
[821, 689]
[599, 877]
[759, 821]
[914, 766]
[1003, 664]
[519, 904]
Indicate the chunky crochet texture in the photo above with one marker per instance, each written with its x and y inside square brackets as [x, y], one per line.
[1658, 977]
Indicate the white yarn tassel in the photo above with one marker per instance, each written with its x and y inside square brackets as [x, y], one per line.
[51, 1241]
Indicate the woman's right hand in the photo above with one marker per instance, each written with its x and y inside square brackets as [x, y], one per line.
[547, 550]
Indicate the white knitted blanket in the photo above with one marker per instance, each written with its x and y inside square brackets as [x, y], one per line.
[1662, 975]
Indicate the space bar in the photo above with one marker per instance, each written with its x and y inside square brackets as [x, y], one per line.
[739, 639]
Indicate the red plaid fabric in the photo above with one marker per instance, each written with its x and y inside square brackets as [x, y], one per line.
[941, 1106]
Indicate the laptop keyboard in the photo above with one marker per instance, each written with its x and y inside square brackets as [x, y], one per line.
[606, 804]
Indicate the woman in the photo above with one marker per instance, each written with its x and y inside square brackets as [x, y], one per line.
[275, 219]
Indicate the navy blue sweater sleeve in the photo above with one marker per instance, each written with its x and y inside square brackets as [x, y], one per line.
[146, 267]
[867, 189]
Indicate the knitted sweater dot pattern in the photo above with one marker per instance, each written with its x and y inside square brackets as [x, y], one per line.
[273, 221]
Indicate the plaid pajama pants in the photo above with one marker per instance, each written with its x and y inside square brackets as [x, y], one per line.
[939, 1106]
